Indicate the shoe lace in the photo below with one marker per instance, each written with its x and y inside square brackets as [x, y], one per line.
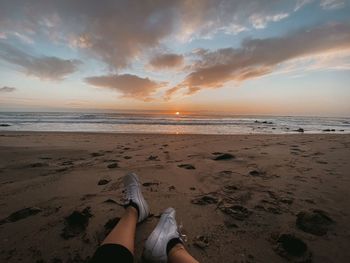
[129, 192]
[182, 235]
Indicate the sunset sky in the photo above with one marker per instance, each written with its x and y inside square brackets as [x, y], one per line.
[240, 56]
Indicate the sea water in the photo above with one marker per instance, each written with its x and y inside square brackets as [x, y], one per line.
[158, 122]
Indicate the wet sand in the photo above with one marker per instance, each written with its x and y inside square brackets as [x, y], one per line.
[240, 198]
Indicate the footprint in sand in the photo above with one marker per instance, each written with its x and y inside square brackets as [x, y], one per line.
[96, 154]
[153, 158]
[76, 223]
[236, 211]
[21, 214]
[38, 165]
[205, 200]
[256, 173]
[292, 248]
[316, 222]
[103, 182]
[201, 242]
[65, 163]
[187, 166]
[223, 156]
[113, 165]
[150, 184]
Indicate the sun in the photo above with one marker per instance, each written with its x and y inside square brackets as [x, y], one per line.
[177, 113]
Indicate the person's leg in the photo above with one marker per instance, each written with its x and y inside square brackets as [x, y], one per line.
[118, 246]
[164, 244]
[178, 254]
[124, 232]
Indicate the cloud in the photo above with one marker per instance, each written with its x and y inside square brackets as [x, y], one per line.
[205, 18]
[300, 3]
[234, 29]
[123, 32]
[119, 32]
[43, 67]
[130, 86]
[166, 61]
[332, 4]
[325, 4]
[170, 92]
[260, 21]
[258, 57]
[7, 89]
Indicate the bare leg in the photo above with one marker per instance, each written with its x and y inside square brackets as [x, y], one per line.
[124, 232]
[178, 254]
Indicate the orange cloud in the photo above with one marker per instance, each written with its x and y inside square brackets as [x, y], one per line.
[130, 86]
[117, 32]
[166, 61]
[258, 57]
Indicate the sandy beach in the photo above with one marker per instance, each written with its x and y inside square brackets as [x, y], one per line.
[240, 198]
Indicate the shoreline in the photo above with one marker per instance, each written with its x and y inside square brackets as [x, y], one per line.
[242, 206]
[2, 132]
[172, 124]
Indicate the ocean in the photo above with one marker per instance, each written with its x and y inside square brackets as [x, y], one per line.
[156, 122]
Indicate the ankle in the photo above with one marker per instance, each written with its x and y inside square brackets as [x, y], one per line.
[132, 210]
[133, 206]
[175, 249]
[179, 254]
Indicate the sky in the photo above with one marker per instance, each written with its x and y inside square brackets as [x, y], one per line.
[277, 57]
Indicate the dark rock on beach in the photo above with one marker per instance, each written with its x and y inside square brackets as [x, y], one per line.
[316, 222]
[224, 156]
[263, 122]
[4, 125]
[300, 130]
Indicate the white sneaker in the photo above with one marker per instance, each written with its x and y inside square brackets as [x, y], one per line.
[156, 243]
[134, 194]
